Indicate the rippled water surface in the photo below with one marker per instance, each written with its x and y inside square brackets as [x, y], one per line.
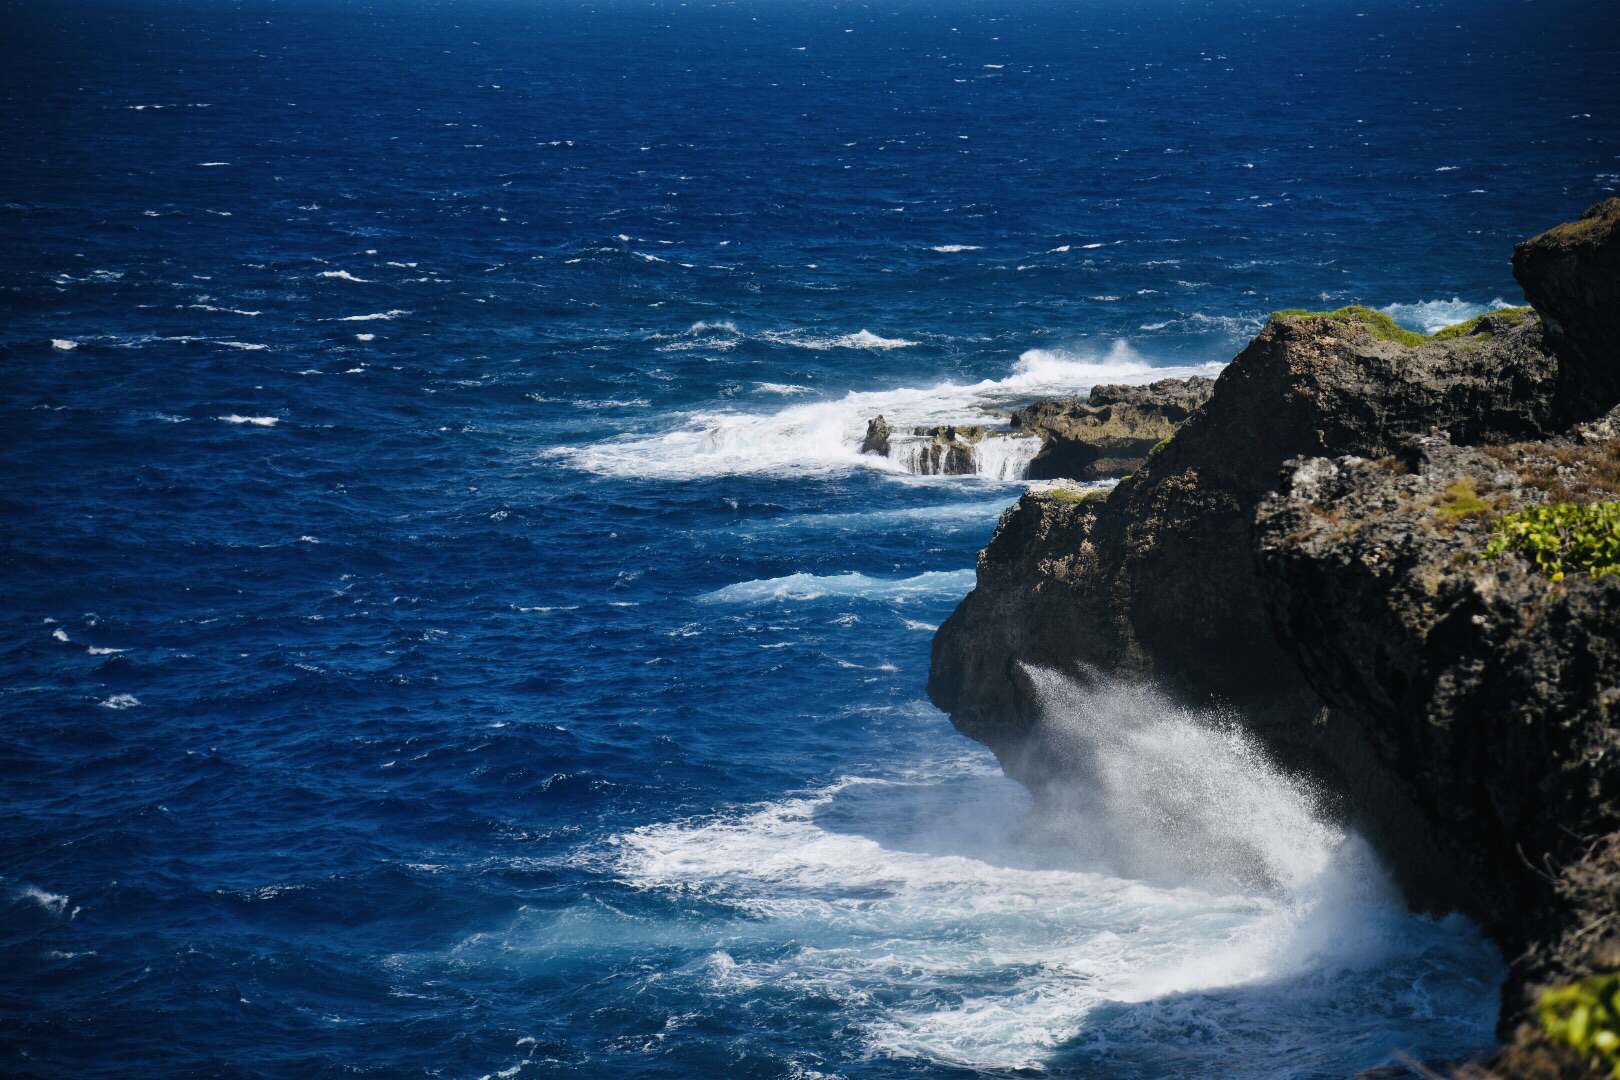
[451, 630]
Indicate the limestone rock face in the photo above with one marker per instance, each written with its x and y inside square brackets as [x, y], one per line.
[1571, 275]
[1111, 433]
[1490, 692]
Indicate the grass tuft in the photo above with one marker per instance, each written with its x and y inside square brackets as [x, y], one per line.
[1461, 500]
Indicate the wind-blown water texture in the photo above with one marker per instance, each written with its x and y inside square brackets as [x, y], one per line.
[451, 630]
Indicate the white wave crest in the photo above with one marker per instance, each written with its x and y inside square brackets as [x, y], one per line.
[63, 343]
[825, 436]
[862, 339]
[256, 421]
[948, 248]
[342, 275]
[394, 314]
[814, 587]
[1428, 316]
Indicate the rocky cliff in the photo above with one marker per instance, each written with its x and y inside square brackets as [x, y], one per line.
[1460, 706]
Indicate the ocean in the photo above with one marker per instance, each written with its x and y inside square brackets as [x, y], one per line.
[451, 630]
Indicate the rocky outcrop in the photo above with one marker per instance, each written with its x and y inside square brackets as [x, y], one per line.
[1110, 433]
[877, 437]
[1489, 692]
[1571, 274]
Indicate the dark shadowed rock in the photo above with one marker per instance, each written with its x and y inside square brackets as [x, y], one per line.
[1571, 274]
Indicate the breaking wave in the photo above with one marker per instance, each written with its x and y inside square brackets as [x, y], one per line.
[1186, 910]
[825, 436]
[812, 587]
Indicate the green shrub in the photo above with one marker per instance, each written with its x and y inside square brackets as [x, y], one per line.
[1158, 447]
[1563, 538]
[1585, 1017]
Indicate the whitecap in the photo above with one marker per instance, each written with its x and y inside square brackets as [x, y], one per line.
[781, 388]
[394, 314]
[63, 343]
[256, 421]
[862, 339]
[121, 701]
[248, 345]
[948, 248]
[54, 903]
[342, 275]
[814, 587]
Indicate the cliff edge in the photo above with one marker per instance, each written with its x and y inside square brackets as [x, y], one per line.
[1459, 706]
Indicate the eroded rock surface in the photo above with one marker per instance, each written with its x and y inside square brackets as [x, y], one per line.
[1111, 432]
[1490, 692]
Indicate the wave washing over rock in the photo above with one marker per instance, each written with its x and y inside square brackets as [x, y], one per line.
[828, 436]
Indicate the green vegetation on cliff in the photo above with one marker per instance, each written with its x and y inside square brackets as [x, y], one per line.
[1585, 1016]
[1380, 324]
[1387, 329]
[1513, 316]
[1563, 538]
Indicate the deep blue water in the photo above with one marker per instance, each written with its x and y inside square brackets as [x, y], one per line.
[431, 503]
